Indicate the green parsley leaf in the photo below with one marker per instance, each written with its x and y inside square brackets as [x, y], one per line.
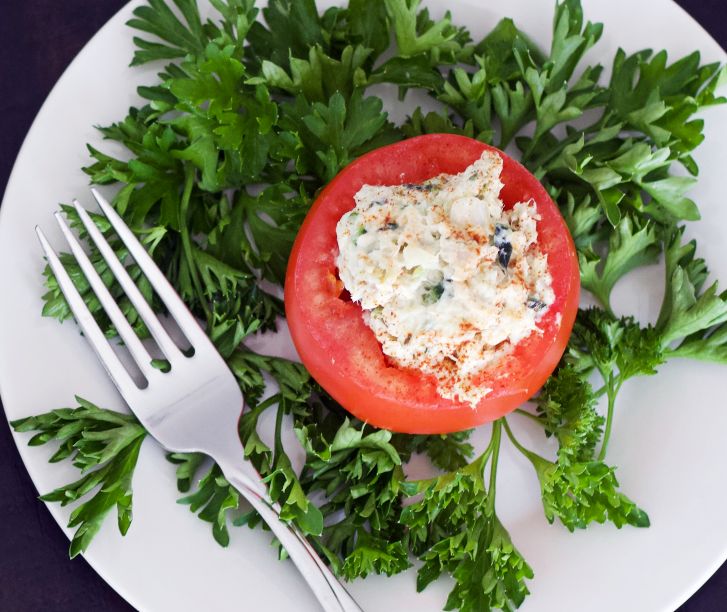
[181, 37]
[413, 71]
[213, 500]
[710, 345]
[284, 488]
[691, 313]
[320, 76]
[615, 346]
[469, 95]
[579, 493]
[453, 529]
[688, 310]
[571, 39]
[567, 407]
[448, 452]
[374, 555]
[658, 99]
[499, 50]
[293, 27]
[416, 33]
[104, 445]
[435, 123]
[189, 35]
[360, 474]
[584, 219]
[368, 25]
[336, 132]
[629, 247]
[188, 464]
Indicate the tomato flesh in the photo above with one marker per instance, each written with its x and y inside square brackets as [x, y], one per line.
[340, 350]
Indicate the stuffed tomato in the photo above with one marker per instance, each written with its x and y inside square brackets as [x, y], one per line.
[432, 286]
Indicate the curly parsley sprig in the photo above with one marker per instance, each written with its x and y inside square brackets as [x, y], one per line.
[454, 529]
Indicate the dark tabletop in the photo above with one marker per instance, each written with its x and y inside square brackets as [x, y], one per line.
[38, 39]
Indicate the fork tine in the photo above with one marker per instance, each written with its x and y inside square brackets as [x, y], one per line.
[131, 340]
[91, 330]
[178, 309]
[160, 335]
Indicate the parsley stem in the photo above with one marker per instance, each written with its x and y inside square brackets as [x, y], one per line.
[256, 411]
[477, 465]
[530, 415]
[189, 176]
[612, 387]
[495, 444]
[278, 431]
[514, 440]
[604, 389]
[553, 152]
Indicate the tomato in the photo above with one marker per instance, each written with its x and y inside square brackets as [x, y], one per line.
[340, 350]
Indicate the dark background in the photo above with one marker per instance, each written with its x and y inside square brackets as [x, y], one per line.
[38, 39]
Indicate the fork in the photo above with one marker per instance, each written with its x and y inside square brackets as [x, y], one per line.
[194, 406]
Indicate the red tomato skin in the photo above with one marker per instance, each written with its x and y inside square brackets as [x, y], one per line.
[342, 353]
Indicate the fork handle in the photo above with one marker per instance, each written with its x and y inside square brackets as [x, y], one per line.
[330, 593]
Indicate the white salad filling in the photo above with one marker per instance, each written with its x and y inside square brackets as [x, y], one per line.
[448, 281]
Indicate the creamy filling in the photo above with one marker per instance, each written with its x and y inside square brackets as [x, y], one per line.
[448, 281]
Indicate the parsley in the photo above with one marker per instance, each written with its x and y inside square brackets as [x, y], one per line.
[432, 294]
[581, 492]
[628, 248]
[692, 320]
[360, 474]
[335, 132]
[446, 451]
[618, 349]
[247, 120]
[567, 409]
[454, 529]
[213, 497]
[104, 446]
[417, 34]
[688, 309]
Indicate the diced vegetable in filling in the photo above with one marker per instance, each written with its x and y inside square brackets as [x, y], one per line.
[448, 281]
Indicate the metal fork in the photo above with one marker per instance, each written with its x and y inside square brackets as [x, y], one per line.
[196, 405]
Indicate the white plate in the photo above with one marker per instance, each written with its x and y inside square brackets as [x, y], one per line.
[669, 431]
